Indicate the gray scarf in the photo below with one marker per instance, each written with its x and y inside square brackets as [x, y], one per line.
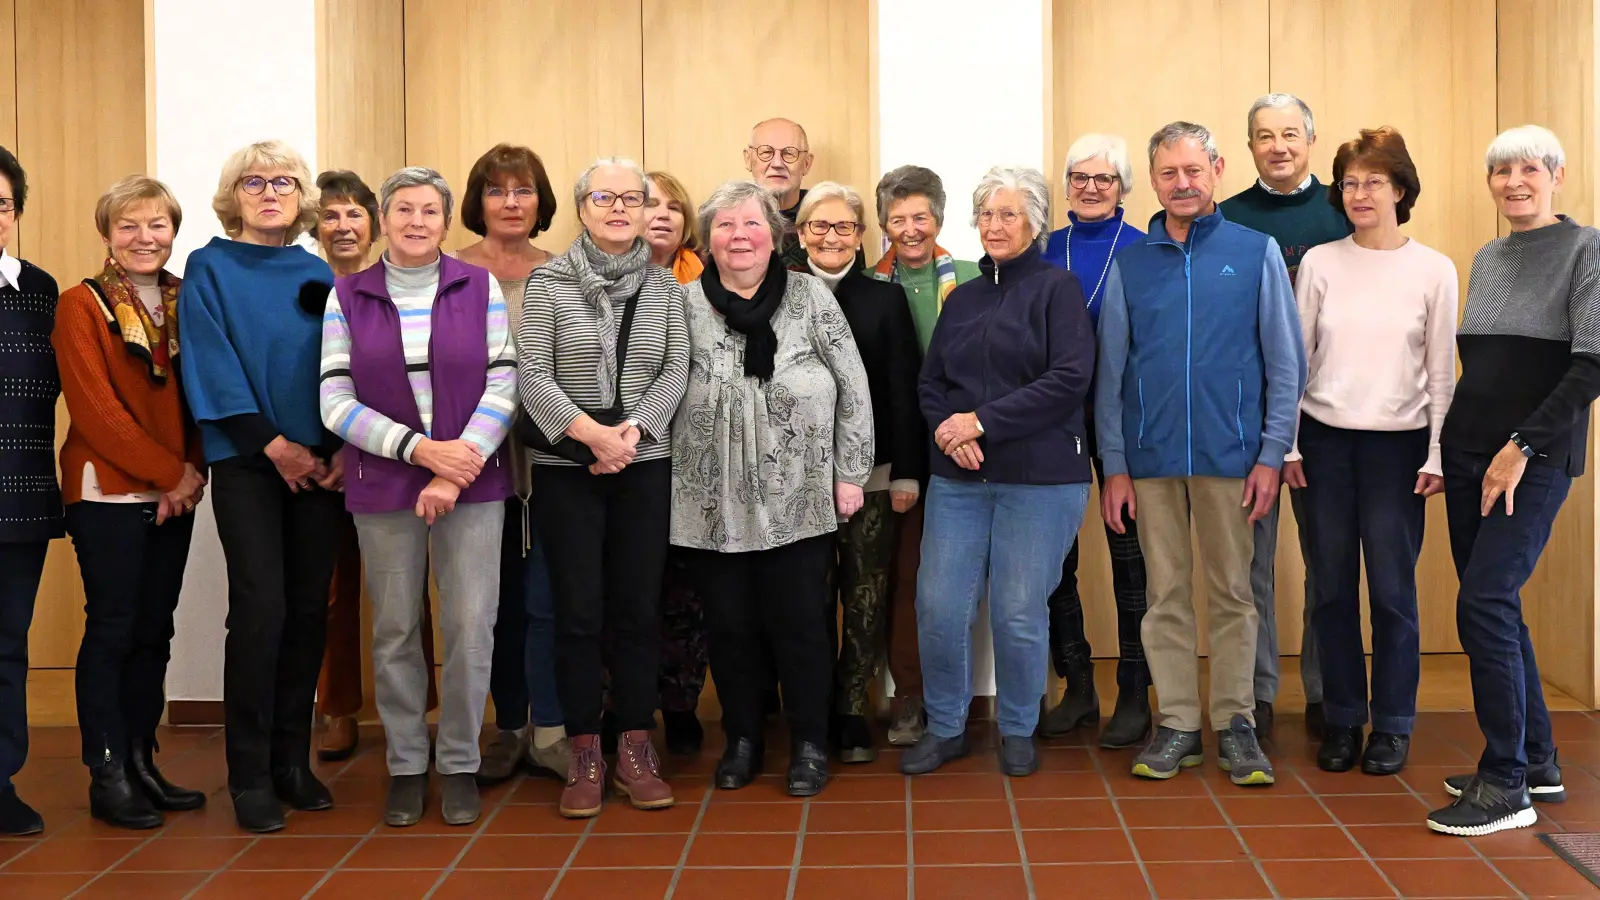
[605, 280]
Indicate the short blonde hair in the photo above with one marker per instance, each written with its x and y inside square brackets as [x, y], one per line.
[830, 190]
[131, 191]
[273, 154]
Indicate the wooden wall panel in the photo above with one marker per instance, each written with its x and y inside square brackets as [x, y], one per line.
[80, 125]
[361, 88]
[561, 78]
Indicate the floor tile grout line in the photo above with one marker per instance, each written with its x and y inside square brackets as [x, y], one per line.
[799, 849]
[566, 867]
[1476, 850]
[1237, 835]
[1022, 846]
[120, 860]
[478, 832]
[1345, 830]
[333, 869]
[694, 831]
[911, 844]
[1127, 833]
[222, 868]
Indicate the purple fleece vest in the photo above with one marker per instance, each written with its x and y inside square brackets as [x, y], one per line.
[457, 366]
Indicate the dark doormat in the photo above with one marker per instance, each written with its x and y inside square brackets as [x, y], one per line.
[1582, 851]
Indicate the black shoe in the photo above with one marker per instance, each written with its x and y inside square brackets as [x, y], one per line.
[740, 764]
[1543, 780]
[808, 770]
[1386, 753]
[300, 789]
[1130, 721]
[855, 740]
[1484, 808]
[685, 735]
[257, 810]
[407, 800]
[1079, 706]
[115, 801]
[1019, 758]
[163, 794]
[1340, 747]
[1315, 723]
[16, 817]
[931, 753]
[1263, 721]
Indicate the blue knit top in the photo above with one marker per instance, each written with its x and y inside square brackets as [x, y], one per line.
[1093, 245]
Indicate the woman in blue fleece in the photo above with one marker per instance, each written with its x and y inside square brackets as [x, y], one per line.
[1002, 387]
[251, 317]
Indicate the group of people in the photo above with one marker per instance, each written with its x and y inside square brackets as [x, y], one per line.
[699, 432]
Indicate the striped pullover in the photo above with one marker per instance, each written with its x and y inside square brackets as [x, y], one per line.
[413, 292]
[559, 355]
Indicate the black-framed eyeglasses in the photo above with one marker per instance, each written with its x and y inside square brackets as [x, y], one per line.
[281, 185]
[842, 229]
[608, 199]
[1373, 185]
[524, 194]
[1080, 180]
[7, 205]
[790, 155]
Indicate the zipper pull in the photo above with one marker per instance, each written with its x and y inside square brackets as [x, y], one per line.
[358, 468]
[1078, 442]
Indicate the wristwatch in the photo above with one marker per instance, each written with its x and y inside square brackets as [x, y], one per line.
[633, 423]
[1520, 444]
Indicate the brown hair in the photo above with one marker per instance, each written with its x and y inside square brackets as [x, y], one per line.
[344, 185]
[129, 191]
[674, 192]
[500, 161]
[1383, 150]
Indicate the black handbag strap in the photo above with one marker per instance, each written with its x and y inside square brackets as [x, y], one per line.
[622, 346]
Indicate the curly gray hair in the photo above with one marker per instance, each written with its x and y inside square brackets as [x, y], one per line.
[1026, 181]
[734, 193]
[910, 181]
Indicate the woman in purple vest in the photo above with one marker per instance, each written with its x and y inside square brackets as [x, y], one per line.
[419, 376]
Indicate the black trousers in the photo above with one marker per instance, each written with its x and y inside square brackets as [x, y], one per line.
[508, 670]
[280, 549]
[132, 576]
[21, 565]
[605, 538]
[777, 599]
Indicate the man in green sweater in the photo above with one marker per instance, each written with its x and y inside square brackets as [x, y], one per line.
[1288, 203]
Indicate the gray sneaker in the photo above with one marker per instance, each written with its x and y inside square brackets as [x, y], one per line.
[500, 758]
[932, 752]
[408, 797]
[552, 761]
[1239, 754]
[460, 804]
[910, 722]
[1018, 756]
[1168, 751]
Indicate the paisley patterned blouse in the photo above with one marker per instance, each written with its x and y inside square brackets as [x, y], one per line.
[754, 465]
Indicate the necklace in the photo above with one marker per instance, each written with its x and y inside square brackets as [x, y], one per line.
[1097, 285]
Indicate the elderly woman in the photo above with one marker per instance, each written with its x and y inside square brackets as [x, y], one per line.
[670, 228]
[1512, 443]
[772, 445]
[131, 477]
[604, 358]
[508, 203]
[1098, 178]
[250, 313]
[1378, 315]
[830, 226]
[1003, 388]
[423, 407]
[911, 202]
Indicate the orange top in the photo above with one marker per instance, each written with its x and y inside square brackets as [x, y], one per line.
[136, 432]
[687, 267]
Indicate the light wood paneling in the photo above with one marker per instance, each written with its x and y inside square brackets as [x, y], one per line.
[80, 125]
[561, 78]
[717, 67]
[8, 95]
[361, 89]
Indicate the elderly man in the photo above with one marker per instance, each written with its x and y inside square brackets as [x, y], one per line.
[1288, 204]
[778, 158]
[1197, 390]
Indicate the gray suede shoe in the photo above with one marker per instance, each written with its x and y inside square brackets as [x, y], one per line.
[408, 798]
[1018, 756]
[460, 803]
[931, 752]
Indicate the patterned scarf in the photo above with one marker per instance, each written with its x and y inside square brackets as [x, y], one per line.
[606, 281]
[156, 345]
[943, 264]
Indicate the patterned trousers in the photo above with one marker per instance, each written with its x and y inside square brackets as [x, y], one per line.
[865, 552]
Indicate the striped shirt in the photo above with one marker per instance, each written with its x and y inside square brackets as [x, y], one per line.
[559, 350]
[412, 291]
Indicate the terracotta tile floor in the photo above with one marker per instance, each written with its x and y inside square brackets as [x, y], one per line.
[1081, 828]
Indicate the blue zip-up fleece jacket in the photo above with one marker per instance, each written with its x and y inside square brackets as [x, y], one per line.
[1201, 360]
[1016, 347]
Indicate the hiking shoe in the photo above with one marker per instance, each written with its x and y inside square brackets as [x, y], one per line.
[1018, 756]
[1386, 753]
[639, 772]
[1543, 781]
[408, 797]
[499, 760]
[585, 792]
[1239, 754]
[910, 722]
[932, 752]
[1168, 751]
[1484, 808]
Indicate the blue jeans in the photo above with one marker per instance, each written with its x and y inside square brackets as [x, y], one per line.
[21, 566]
[1361, 500]
[1494, 557]
[543, 698]
[1012, 537]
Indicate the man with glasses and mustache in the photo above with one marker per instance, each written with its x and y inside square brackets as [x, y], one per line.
[778, 158]
[1197, 392]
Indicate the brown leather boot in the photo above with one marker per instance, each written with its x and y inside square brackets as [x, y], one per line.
[339, 741]
[639, 772]
[586, 779]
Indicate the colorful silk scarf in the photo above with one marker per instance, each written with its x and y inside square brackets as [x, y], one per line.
[944, 265]
[156, 345]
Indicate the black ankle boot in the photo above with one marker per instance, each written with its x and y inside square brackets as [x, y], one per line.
[1079, 706]
[740, 764]
[1130, 721]
[300, 789]
[115, 801]
[163, 794]
[257, 810]
[685, 735]
[1340, 747]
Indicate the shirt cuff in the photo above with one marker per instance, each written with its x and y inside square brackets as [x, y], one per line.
[906, 486]
[1435, 464]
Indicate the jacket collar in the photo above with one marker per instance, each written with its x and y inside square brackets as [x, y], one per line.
[1024, 264]
[370, 281]
[1203, 226]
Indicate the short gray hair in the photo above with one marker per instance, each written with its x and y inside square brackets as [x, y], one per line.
[417, 176]
[1280, 101]
[910, 181]
[1177, 132]
[731, 194]
[580, 189]
[1526, 142]
[831, 190]
[1025, 180]
[1113, 148]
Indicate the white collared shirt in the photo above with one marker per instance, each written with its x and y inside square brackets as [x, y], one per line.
[11, 269]
[1271, 190]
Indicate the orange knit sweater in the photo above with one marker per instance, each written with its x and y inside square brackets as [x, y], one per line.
[137, 433]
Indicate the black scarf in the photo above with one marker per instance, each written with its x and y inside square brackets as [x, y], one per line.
[753, 317]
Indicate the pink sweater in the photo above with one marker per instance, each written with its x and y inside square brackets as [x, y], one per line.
[1380, 329]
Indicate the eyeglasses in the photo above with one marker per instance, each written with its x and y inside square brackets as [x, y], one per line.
[283, 184]
[608, 199]
[1373, 185]
[7, 205]
[1006, 216]
[1080, 180]
[523, 194]
[790, 155]
[842, 229]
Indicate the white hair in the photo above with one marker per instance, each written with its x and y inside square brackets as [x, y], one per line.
[580, 190]
[1025, 180]
[1113, 148]
[1177, 132]
[831, 190]
[732, 194]
[1526, 142]
[1280, 101]
[416, 176]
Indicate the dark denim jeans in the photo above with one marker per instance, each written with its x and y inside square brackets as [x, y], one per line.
[523, 669]
[21, 565]
[1494, 557]
[1360, 500]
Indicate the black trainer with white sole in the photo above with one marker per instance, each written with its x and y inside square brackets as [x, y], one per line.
[1484, 808]
[1544, 782]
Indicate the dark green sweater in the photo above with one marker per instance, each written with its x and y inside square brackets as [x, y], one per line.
[1297, 222]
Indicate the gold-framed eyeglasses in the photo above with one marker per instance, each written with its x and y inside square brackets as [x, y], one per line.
[766, 152]
[523, 194]
[1006, 216]
[1373, 185]
[843, 229]
[281, 185]
[1080, 180]
[608, 199]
